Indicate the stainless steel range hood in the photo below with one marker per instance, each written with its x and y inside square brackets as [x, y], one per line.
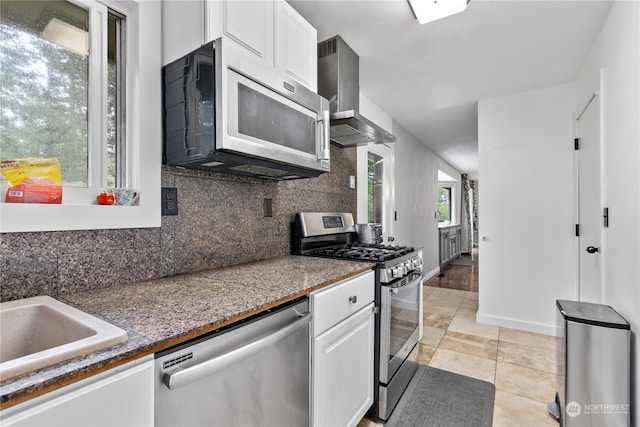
[339, 82]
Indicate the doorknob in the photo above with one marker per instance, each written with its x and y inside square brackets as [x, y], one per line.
[592, 249]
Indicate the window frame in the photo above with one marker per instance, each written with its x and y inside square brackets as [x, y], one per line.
[143, 116]
[388, 204]
[450, 191]
[376, 201]
[452, 186]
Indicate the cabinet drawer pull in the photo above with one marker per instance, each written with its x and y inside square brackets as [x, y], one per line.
[353, 299]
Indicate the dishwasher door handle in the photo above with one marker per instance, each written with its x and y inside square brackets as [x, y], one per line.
[185, 376]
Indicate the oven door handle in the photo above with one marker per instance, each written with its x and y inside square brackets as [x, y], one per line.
[185, 376]
[411, 284]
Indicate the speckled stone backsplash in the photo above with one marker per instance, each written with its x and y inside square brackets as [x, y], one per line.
[220, 222]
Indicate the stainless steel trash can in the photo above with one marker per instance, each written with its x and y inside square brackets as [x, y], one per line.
[593, 362]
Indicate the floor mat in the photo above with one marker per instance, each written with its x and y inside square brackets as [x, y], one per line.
[439, 398]
[464, 261]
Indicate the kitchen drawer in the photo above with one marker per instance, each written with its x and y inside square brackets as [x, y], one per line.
[332, 305]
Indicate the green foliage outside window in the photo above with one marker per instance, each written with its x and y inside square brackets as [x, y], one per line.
[44, 89]
[43, 95]
[444, 204]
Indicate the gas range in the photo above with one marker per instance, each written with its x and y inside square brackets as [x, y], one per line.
[394, 262]
[333, 235]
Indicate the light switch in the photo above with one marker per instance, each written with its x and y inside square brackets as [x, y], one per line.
[352, 181]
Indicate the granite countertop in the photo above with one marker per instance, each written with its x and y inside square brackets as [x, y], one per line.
[160, 313]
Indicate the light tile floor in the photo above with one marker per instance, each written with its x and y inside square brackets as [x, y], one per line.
[520, 364]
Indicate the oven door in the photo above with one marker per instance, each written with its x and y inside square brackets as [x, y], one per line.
[399, 323]
[265, 115]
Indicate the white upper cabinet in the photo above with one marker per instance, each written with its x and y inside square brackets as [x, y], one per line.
[270, 29]
[295, 45]
[248, 23]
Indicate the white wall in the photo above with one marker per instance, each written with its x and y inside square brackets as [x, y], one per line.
[617, 53]
[416, 196]
[527, 260]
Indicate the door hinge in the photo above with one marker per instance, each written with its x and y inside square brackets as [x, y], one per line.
[577, 230]
[576, 144]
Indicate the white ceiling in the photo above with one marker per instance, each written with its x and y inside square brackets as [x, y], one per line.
[429, 77]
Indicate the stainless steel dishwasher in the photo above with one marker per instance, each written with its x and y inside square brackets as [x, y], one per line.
[252, 374]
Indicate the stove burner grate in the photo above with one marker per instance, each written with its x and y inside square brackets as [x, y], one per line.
[364, 251]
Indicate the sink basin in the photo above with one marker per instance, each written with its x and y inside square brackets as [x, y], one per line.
[41, 331]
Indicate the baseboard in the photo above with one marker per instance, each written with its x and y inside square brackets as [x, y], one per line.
[521, 325]
[432, 273]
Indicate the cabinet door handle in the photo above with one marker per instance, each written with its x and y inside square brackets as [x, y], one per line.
[353, 299]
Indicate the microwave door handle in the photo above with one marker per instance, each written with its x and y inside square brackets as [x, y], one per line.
[324, 144]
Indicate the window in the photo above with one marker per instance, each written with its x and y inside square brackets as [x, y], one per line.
[52, 98]
[79, 82]
[375, 188]
[116, 171]
[444, 205]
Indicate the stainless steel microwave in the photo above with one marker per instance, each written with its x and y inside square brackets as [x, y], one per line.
[226, 111]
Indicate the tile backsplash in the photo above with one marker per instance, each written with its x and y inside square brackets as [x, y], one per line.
[220, 222]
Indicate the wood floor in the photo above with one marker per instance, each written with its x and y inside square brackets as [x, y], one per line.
[456, 276]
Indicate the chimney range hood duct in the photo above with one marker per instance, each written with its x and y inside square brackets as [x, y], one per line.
[339, 82]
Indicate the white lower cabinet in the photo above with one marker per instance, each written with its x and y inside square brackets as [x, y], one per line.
[342, 352]
[122, 396]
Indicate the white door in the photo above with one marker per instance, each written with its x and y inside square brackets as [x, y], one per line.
[590, 203]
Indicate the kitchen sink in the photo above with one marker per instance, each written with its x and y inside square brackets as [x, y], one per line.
[41, 331]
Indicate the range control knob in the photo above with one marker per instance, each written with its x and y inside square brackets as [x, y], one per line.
[398, 271]
[390, 272]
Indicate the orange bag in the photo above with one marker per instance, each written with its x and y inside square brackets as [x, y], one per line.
[32, 180]
[35, 190]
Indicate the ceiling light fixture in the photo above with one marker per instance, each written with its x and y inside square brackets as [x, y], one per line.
[431, 10]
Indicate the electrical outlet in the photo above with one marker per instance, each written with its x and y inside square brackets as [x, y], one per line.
[352, 181]
[169, 201]
[267, 207]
